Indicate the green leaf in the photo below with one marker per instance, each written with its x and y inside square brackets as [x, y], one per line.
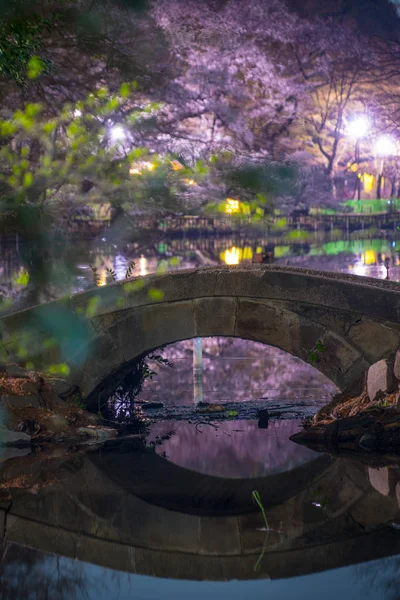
[155, 294]
[31, 110]
[49, 127]
[59, 369]
[111, 105]
[102, 92]
[23, 278]
[7, 128]
[92, 306]
[35, 67]
[28, 180]
[124, 90]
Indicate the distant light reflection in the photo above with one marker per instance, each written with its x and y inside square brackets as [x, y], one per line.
[143, 266]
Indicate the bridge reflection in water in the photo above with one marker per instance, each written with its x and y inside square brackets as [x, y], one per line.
[125, 508]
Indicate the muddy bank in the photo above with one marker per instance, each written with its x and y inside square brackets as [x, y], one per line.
[35, 409]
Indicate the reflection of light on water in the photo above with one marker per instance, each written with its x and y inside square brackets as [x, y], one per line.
[143, 266]
[232, 256]
[359, 269]
[369, 257]
[102, 280]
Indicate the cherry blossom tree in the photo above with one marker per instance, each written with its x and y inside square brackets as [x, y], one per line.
[232, 89]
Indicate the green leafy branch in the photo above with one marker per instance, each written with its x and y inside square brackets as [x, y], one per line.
[315, 355]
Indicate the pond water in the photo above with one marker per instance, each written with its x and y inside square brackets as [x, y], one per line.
[33, 273]
[134, 520]
[212, 498]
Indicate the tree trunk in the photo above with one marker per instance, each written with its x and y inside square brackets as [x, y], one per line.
[379, 186]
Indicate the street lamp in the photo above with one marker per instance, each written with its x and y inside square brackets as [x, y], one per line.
[358, 128]
[117, 133]
[385, 146]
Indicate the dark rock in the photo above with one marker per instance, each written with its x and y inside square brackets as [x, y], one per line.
[367, 441]
[263, 423]
[16, 372]
[57, 422]
[14, 438]
[13, 452]
[153, 405]
[63, 389]
[19, 401]
[263, 414]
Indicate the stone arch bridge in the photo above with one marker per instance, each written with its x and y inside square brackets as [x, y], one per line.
[355, 320]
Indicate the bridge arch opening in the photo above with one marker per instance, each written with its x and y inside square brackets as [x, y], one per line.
[231, 369]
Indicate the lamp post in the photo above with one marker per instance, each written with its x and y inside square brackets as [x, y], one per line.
[385, 146]
[358, 128]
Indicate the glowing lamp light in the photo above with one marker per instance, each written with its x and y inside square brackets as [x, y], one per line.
[176, 165]
[385, 146]
[369, 182]
[138, 168]
[117, 133]
[232, 206]
[358, 127]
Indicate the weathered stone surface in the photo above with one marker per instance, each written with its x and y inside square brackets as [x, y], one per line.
[379, 479]
[398, 493]
[396, 368]
[14, 438]
[98, 301]
[374, 338]
[219, 536]
[380, 379]
[214, 316]
[152, 326]
[98, 434]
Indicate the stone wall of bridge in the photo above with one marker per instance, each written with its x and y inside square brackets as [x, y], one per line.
[355, 320]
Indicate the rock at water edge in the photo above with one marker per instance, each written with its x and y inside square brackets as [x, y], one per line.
[380, 379]
[379, 479]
